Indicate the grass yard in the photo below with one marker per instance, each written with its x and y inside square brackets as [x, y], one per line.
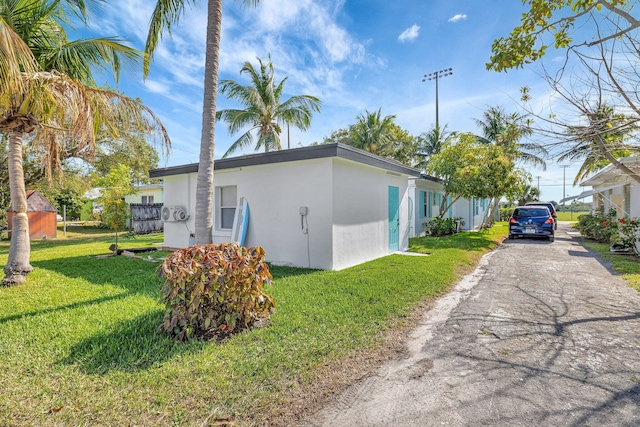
[79, 342]
[570, 216]
[625, 264]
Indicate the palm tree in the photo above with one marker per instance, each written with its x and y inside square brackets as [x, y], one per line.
[431, 142]
[165, 14]
[263, 111]
[600, 142]
[372, 132]
[507, 130]
[527, 193]
[49, 109]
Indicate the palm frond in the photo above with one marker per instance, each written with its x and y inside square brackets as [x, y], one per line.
[237, 119]
[165, 14]
[15, 58]
[244, 140]
[263, 110]
[76, 58]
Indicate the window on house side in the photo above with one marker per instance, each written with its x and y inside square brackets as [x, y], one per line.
[425, 211]
[147, 200]
[227, 199]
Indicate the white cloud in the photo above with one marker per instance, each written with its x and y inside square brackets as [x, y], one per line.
[410, 34]
[458, 17]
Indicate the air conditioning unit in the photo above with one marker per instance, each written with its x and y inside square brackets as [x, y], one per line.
[174, 214]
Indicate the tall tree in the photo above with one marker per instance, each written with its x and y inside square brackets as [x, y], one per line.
[604, 70]
[599, 141]
[380, 136]
[372, 132]
[50, 108]
[558, 18]
[165, 14]
[470, 168]
[507, 130]
[131, 150]
[430, 143]
[116, 184]
[263, 111]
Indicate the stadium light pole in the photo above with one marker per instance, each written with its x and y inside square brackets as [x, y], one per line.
[437, 75]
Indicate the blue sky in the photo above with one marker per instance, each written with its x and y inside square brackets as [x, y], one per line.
[354, 55]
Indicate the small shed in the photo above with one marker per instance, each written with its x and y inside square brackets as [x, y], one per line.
[42, 216]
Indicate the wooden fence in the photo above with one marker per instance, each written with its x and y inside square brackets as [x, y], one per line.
[146, 218]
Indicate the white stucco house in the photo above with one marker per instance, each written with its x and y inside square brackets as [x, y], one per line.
[146, 194]
[614, 189]
[426, 194]
[327, 206]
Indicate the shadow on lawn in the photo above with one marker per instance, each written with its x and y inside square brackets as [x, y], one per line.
[69, 306]
[129, 346]
[133, 275]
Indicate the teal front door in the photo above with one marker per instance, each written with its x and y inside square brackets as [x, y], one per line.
[394, 219]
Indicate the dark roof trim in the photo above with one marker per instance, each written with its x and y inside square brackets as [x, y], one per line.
[431, 178]
[305, 153]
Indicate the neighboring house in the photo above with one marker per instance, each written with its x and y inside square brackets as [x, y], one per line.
[426, 196]
[614, 189]
[42, 216]
[146, 208]
[92, 206]
[327, 206]
[146, 194]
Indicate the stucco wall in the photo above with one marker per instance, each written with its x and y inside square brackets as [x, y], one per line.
[635, 201]
[462, 208]
[415, 186]
[361, 212]
[346, 201]
[180, 190]
[275, 193]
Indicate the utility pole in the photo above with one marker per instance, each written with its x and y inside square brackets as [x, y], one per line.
[564, 181]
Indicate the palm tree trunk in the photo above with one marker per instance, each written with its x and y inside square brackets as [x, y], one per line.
[204, 183]
[17, 266]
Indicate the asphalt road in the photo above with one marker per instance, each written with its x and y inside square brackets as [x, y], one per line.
[541, 334]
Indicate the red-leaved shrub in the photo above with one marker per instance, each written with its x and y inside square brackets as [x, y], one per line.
[212, 291]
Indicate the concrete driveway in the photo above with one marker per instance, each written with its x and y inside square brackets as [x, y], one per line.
[541, 334]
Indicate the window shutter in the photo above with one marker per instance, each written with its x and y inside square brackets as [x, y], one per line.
[430, 205]
[421, 204]
[450, 211]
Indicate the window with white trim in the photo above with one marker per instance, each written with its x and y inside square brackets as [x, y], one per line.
[226, 201]
[147, 200]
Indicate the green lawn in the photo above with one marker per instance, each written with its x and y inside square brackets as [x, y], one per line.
[570, 216]
[79, 342]
[625, 264]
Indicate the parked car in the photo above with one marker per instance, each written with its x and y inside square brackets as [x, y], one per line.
[551, 208]
[531, 221]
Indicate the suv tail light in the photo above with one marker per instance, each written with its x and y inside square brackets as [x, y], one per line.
[512, 220]
[549, 221]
